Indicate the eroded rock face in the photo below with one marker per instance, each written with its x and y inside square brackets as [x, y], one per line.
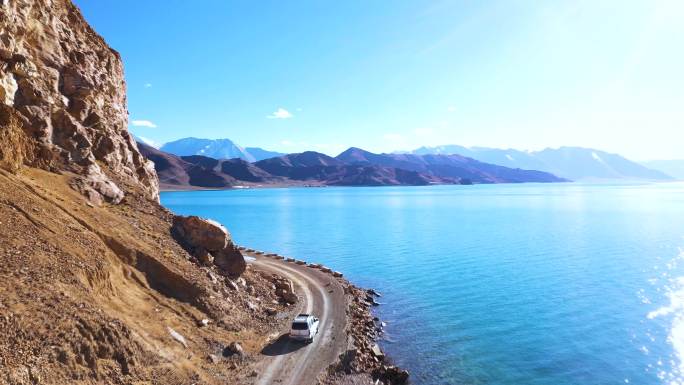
[202, 236]
[66, 86]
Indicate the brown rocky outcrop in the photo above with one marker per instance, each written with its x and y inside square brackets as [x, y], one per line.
[202, 236]
[100, 294]
[284, 289]
[64, 88]
[230, 260]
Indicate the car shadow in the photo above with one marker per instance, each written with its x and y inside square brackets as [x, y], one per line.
[283, 345]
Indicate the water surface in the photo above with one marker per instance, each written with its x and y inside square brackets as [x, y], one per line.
[493, 284]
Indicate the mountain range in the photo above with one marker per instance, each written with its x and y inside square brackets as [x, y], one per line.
[447, 166]
[354, 167]
[575, 163]
[572, 163]
[217, 148]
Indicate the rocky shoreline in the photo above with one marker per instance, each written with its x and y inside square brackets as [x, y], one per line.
[363, 362]
[364, 358]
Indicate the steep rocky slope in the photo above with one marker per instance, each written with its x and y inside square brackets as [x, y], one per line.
[106, 295]
[62, 84]
[99, 283]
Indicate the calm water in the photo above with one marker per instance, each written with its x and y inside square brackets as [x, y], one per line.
[497, 284]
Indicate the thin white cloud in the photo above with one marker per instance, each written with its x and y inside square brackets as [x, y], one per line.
[148, 85]
[280, 113]
[286, 142]
[451, 109]
[143, 123]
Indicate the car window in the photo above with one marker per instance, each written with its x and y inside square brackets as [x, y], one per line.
[300, 326]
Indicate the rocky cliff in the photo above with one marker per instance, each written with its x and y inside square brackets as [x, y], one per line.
[63, 99]
[96, 284]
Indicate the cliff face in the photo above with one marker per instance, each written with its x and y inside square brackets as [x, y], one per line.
[63, 87]
[94, 288]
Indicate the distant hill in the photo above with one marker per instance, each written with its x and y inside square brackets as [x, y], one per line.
[354, 167]
[217, 149]
[245, 171]
[314, 166]
[447, 166]
[261, 154]
[674, 168]
[287, 165]
[575, 163]
[184, 172]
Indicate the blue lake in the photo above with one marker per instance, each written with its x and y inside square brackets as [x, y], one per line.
[493, 284]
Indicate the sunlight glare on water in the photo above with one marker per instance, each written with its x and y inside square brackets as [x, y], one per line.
[674, 312]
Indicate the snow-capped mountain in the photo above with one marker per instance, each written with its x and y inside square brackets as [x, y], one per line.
[575, 163]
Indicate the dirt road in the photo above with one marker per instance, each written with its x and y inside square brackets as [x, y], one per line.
[289, 362]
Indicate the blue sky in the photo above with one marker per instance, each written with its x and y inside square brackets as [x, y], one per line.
[395, 75]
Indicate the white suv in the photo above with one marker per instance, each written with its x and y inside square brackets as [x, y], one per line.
[304, 328]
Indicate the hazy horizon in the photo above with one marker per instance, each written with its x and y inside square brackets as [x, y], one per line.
[308, 76]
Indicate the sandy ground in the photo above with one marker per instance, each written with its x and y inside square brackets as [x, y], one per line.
[293, 363]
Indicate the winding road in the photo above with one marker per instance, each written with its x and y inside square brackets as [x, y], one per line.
[289, 362]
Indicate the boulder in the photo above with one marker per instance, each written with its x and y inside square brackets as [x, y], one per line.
[196, 232]
[377, 352]
[284, 289]
[230, 260]
[209, 242]
[178, 337]
[270, 311]
[284, 284]
[234, 349]
[231, 285]
[203, 256]
[288, 296]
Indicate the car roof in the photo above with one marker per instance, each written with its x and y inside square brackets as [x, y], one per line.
[302, 318]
